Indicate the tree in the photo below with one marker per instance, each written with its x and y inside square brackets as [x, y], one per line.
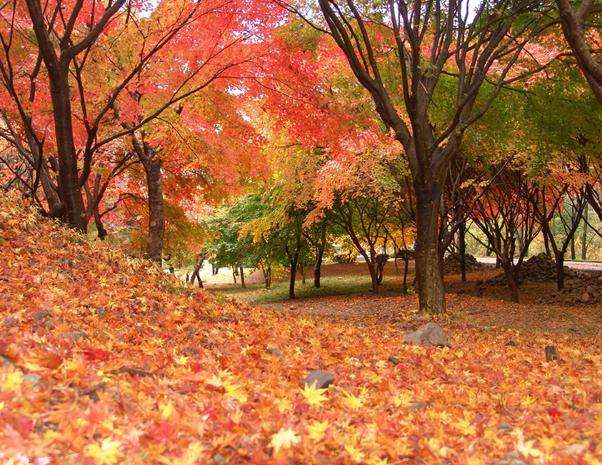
[430, 42]
[574, 21]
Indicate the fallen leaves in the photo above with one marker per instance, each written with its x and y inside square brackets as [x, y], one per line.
[167, 375]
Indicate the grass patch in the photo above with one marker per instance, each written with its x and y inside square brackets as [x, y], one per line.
[330, 286]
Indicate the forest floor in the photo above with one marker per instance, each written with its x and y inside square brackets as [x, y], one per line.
[105, 360]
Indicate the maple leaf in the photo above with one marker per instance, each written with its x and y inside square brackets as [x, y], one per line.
[356, 454]
[284, 439]
[107, 453]
[317, 429]
[166, 409]
[354, 402]
[313, 395]
[12, 380]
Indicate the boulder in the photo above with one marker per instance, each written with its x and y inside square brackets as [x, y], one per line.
[320, 379]
[75, 335]
[429, 334]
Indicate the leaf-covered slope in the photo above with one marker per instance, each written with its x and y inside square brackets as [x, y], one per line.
[105, 360]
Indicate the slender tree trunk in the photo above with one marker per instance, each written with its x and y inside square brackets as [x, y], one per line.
[100, 228]
[573, 251]
[293, 277]
[234, 274]
[546, 243]
[242, 277]
[156, 207]
[584, 233]
[431, 293]
[319, 258]
[462, 249]
[560, 270]
[406, 263]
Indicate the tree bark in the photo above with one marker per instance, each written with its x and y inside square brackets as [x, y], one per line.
[156, 207]
[431, 292]
[559, 259]
[573, 27]
[462, 249]
[584, 232]
[242, 277]
[510, 273]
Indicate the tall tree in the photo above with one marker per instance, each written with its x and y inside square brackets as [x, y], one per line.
[431, 40]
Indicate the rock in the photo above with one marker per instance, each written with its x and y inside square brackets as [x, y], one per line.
[273, 350]
[585, 297]
[552, 354]
[32, 379]
[41, 315]
[428, 334]
[417, 405]
[504, 427]
[220, 459]
[101, 312]
[75, 335]
[394, 360]
[512, 458]
[320, 379]
[511, 343]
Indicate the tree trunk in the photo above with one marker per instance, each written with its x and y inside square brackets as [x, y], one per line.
[560, 271]
[584, 233]
[156, 207]
[510, 273]
[100, 228]
[406, 263]
[68, 178]
[242, 277]
[573, 252]
[373, 276]
[267, 277]
[319, 258]
[462, 249]
[431, 293]
[546, 243]
[293, 276]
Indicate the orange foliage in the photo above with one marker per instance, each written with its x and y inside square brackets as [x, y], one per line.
[105, 360]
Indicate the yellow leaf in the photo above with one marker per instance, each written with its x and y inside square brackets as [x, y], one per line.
[12, 380]
[283, 405]
[465, 427]
[107, 453]
[284, 439]
[313, 396]
[356, 454]
[166, 409]
[352, 401]
[317, 429]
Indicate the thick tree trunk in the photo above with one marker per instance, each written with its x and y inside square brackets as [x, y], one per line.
[68, 178]
[242, 277]
[431, 293]
[510, 273]
[156, 207]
